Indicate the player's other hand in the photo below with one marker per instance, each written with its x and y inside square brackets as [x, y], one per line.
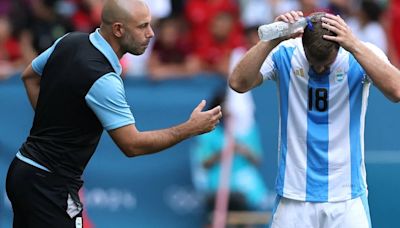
[204, 121]
[344, 35]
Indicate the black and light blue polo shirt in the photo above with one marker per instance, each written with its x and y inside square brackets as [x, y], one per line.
[81, 93]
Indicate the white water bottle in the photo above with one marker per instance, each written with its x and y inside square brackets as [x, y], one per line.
[280, 28]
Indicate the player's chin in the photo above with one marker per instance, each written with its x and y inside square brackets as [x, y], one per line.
[138, 51]
[143, 48]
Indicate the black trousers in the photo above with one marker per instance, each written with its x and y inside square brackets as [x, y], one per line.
[38, 198]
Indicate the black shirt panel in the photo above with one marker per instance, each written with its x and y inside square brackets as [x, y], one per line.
[65, 131]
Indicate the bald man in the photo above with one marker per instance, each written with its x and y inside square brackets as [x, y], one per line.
[76, 91]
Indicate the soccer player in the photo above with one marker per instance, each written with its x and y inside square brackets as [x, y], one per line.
[323, 79]
[76, 90]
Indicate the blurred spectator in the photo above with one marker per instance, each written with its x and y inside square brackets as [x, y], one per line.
[247, 188]
[11, 59]
[172, 55]
[393, 29]
[306, 6]
[160, 8]
[177, 7]
[309, 6]
[87, 15]
[256, 12]
[366, 24]
[344, 8]
[5, 6]
[20, 15]
[241, 106]
[46, 25]
[215, 29]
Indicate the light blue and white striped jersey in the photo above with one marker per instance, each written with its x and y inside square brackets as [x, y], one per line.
[321, 124]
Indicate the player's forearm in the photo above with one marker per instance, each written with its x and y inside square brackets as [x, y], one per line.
[384, 75]
[32, 85]
[246, 74]
[148, 142]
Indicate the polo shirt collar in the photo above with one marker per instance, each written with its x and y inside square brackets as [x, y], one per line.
[104, 47]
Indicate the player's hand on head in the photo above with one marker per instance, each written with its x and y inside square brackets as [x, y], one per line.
[344, 35]
[204, 121]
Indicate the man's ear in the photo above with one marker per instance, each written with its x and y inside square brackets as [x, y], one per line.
[118, 29]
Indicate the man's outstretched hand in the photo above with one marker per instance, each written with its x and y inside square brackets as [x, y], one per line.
[204, 121]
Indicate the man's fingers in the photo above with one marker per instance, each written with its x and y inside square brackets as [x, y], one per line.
[333, 23]
[216, 114]
[290, 17]
[282, 18]
[331, 38]
[300, 13]
[296, 15]
[331, 28]
[335, 18]
[336, 21]
[216, 110]
[200, 106]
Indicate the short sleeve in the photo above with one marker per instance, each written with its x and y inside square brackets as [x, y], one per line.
[39, 62]
[107, 99]
[268, 69]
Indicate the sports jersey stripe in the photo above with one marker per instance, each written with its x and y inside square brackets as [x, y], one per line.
[339, 110]
[283, 86]
[296, 160]
[356, 90]
[317, 139]
[363, 177]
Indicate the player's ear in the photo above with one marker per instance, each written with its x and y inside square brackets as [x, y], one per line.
[118, 29]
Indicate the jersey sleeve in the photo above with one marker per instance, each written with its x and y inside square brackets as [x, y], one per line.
[107, 99]
[40, 61]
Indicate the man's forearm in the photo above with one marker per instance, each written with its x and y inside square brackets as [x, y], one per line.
[245, 76]
[32, 85]
[384, 75]
[148, 142]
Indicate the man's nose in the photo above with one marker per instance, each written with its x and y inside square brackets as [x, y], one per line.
[150, 33]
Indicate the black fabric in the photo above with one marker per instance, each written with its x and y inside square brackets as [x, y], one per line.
[65, 131]
[39, 198]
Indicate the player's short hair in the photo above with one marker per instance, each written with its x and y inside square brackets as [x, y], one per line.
[313, 42]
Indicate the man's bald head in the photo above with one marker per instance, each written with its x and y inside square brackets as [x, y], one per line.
[126, 26]
[120, 10]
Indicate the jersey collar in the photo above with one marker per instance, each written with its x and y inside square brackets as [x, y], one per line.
[104, 47]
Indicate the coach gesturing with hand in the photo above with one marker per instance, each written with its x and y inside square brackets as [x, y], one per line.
[76, 90]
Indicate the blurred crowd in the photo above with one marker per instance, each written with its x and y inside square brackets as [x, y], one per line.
[192, 36]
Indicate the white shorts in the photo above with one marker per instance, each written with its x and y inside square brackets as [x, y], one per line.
[298, 214]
